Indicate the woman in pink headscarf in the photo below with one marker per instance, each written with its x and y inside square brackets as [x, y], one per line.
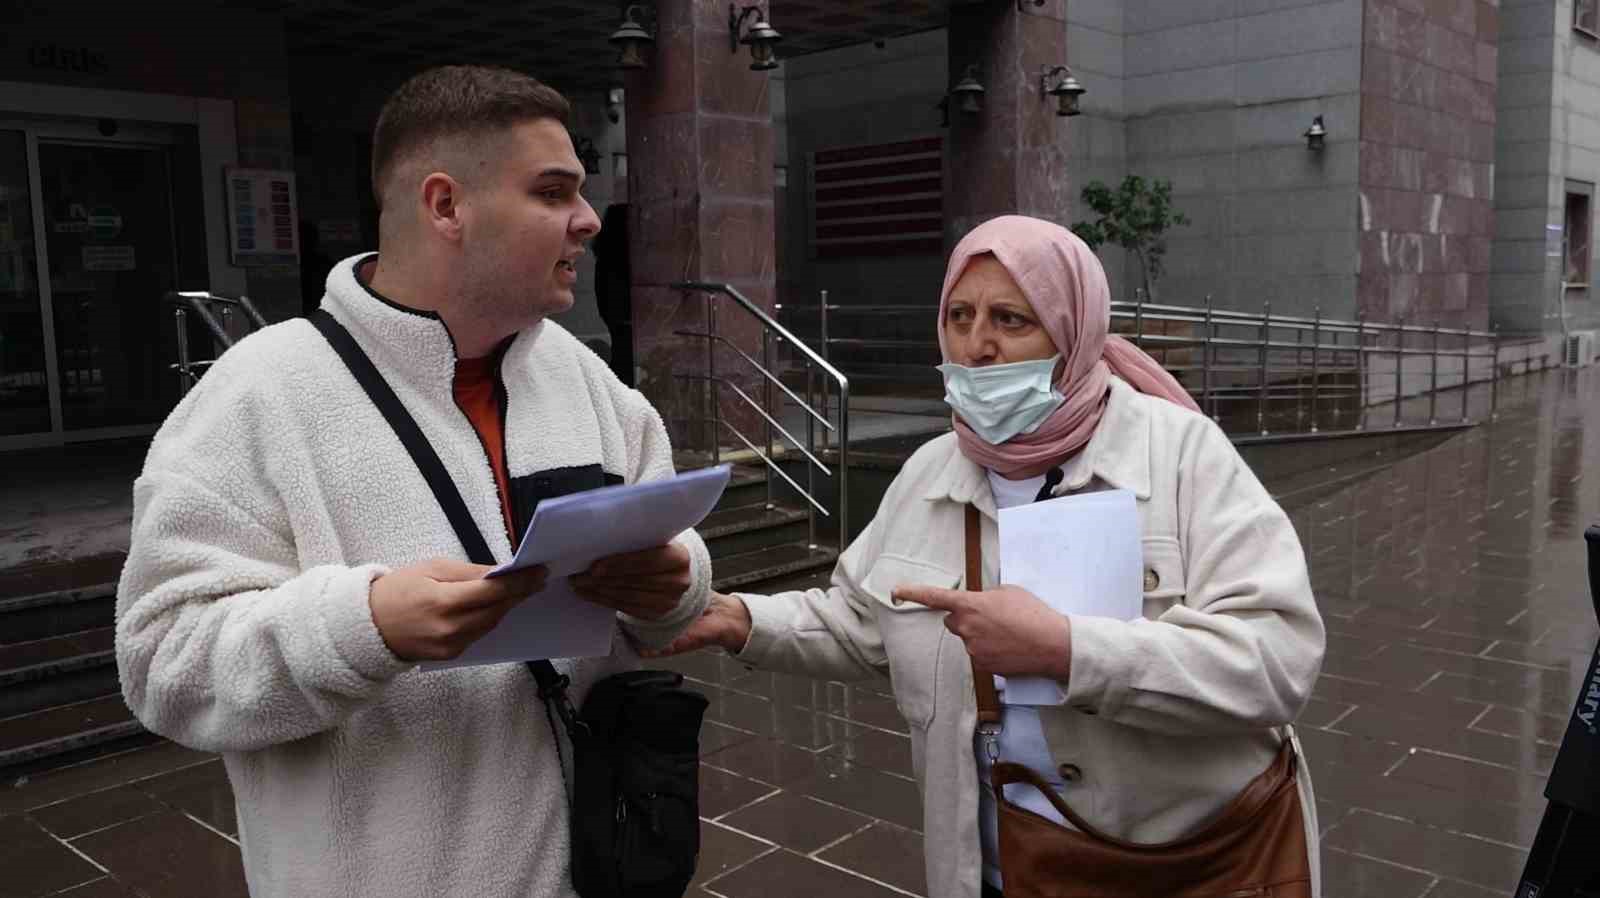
[1147, 725]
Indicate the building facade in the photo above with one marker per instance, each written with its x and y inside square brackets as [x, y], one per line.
[1455, 182]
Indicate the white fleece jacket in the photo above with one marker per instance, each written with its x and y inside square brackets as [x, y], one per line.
[271, 498]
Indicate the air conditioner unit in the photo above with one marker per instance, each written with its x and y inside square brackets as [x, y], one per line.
[1581, 349]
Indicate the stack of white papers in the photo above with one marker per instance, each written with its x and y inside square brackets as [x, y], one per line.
[1082, 555]
[569, 533]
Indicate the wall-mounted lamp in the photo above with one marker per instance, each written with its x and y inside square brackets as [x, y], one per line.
[968, 92]
[588, 154]
[1316, 135]
[1057, 81]
[631, 39]
[614, 105]
[761, 36]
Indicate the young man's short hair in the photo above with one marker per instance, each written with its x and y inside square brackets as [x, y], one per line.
[456, 101]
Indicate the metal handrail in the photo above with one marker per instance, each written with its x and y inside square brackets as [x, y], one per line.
[1257, 347]
[200, 301]
[813, 362]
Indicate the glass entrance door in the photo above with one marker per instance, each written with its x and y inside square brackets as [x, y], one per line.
[94, 231]
[110, 246]
[24, 380]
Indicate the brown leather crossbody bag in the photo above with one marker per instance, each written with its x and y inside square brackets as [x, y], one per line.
[1255, 847]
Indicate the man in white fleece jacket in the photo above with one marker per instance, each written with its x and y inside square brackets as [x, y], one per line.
[289, 564]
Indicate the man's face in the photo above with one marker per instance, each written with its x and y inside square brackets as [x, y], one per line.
[525, 225]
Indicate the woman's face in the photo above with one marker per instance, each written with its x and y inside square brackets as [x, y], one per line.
[989, 321]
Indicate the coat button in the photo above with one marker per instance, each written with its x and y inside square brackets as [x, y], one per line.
[1151, 579]
[1069, 773]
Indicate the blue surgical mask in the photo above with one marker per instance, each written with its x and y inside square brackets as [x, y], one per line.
[1001, 401]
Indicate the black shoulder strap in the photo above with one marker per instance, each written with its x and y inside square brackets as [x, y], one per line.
[552, 684]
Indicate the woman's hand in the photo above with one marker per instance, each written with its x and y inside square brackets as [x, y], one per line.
[1007, 630]
[725, 623]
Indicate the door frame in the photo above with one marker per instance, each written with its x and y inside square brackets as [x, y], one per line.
[69, 115]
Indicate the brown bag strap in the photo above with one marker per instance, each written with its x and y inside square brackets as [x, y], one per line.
[982, 680]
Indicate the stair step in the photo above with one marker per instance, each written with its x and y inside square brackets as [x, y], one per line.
[69, 729]
[746, 486]
[57, 671]
[734, 531]
[30, 618]
[757, 568]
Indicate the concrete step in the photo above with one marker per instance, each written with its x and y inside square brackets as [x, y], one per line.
[56, 736]
[28, 618]
[747, 485]
[754, 571]
[56, 671]
[750, 528]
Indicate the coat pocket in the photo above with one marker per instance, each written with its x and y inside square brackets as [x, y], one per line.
[1162, 570]
[912, 634]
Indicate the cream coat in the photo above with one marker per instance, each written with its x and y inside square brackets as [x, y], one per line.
[1168, 716]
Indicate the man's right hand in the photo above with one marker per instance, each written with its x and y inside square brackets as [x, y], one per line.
[725, 623]
[433, 610]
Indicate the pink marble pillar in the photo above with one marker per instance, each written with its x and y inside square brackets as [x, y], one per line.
[1012, 156]
[700, 189]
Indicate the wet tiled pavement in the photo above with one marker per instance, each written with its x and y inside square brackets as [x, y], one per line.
[1454, 587]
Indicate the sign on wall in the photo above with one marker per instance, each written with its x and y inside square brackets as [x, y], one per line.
[262, 217]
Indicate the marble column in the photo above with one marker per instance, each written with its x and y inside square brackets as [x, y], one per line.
[700, 189]
[1012, 156]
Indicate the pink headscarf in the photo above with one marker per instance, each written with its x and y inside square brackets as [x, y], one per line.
[1064, 282]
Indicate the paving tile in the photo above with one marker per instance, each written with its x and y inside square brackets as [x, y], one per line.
[867, 791]
[202, 791]
[768, 760]
[1345, 875]
[1470, 777]
[800, 726]
[873, 710]
[1397, 841]
[1516, 722]
[885, 853]
[722, 849]
[1446, 888]
[1461, 812]
[105, 887]
[35, 864]
[889, 752]
[97, 810]
[722, 792]
[56, 785]
[796, 822]
[168, 855]
[1524, 754]
[716, 736]
[1532, 693]
[784, 874]
[785, 689]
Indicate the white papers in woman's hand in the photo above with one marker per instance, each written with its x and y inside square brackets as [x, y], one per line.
[1082, 555]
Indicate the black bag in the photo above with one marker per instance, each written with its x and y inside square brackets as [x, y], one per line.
[635, 818]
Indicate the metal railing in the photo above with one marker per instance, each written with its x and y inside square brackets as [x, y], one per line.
[773, 335]
[1304, 375]
[218, 322]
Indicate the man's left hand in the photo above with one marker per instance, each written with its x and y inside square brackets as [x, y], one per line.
[647, 585]
[1007, 630]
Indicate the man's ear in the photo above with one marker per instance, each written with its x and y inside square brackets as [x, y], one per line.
[441, 200]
